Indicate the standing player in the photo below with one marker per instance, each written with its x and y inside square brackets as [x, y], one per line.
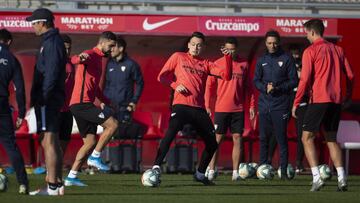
[275, 78]
[48, 95]
[186, 73]
[87, 115]
[322, 64]
[10, 70]
[229, 107]
[123, 81]
[66, 118]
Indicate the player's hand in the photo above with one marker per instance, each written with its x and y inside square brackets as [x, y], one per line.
[182, 89]
[208, 111]
[225, 51]
[102, 106]
[252, 113]
[293, 112]
[269, 87]
[83, 56]
[131, 106]
[18, 123]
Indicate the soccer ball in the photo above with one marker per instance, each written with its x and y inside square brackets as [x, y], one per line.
[265, 172]
[290, 172]
[150, 178]
[3, 183]
[245, 171]
[325, 172]
[254, 165]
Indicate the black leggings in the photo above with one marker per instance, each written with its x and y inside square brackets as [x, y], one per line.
[200, 120]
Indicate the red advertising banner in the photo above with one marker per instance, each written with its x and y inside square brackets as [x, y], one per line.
[294, 26]
[159, 25]
[237, 26]
[168, 25]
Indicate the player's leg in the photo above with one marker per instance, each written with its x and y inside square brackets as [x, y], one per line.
[206, 130]
[237, 129]
[312, 120]
[280, 121]
[331, 125]
[300, 113]
[265, 131]
[221, 124]
[7, 139]
[179, 116]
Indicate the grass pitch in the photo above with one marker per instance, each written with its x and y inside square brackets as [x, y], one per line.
[180, 188]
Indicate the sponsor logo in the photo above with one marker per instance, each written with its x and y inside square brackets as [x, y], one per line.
[152, 26]
[101, 115]
[216, 126]
[289, 25]
[264, 64]
[41, 49]
[173, 114]
[230, 25]
[15, 22]
[87, 23]
[123, 68]
[111, 69]
[280, 63]
[4, 61]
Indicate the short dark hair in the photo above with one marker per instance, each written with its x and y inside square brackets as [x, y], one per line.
[108, 35]
[316, 25]
[231, 40]
[272, 33]
[5, 35]
[66, 38]
[197, 35]
[120, 42]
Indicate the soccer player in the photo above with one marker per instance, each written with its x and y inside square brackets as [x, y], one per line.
[229, 107]
[186, 73]
[275, 78]
[86, 114]
[66, 118]
[10, 70]
[322, 65]
[48, 94]
[123, 81]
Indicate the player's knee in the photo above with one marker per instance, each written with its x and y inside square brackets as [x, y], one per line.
[307, 136]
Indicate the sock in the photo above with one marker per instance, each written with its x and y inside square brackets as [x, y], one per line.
[316, 174]
[199, 175]
[60, 184]
[235, 173]
[72, 174]
[341, 173]
[156, 166]
[95, 154]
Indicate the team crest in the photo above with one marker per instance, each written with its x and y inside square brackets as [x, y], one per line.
[123, 68]
[280, 63]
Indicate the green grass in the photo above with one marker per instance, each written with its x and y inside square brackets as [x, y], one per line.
[181, 188]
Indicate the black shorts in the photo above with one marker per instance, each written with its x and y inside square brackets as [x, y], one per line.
[225, 120]
[88, 117]
[66, 123]
[47, 119]
[326, 114]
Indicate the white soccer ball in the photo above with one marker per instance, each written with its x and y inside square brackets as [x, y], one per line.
[325, 172]
[265, 172]
[150, 178]
[290, 172]
[245, 170]
[3, 183]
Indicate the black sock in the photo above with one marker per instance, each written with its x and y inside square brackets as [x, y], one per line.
[53, 186]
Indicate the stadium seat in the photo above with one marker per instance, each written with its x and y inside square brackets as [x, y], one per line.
[348, 136]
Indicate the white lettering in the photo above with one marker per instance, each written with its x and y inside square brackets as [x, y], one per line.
[87, 20]
[232, 26]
